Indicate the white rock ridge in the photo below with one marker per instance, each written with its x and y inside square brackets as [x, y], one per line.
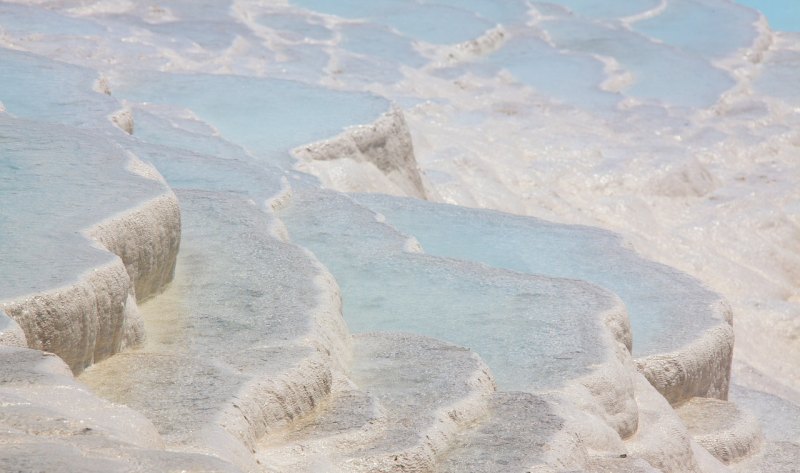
[87, 310]
[380, 157]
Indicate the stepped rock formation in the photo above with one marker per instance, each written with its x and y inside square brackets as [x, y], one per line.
[188, 284]
[300, 395]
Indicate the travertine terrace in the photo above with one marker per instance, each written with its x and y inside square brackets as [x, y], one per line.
[220, 250]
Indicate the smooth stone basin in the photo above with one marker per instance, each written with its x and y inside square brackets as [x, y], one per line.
[659, 299]
[534, 332]
[57, 182]
[38, 88]
[268, 117]
[242, 342]
[87, 228]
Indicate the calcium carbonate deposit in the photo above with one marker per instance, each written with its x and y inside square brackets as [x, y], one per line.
[400, 236]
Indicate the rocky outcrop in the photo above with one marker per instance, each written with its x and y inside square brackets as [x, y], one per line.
[379, 152]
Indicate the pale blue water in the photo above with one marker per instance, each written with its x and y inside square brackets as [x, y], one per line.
[28, 19]
[56, 182]
[380, 42]
[685, 25]
[782, 15]
[570, 78]
[40, 89]
[535, 333]
[268, 117]
[663, 75]
[607, 10]
[59, 175]
[295, 27]
[433, 23]
[659, 300]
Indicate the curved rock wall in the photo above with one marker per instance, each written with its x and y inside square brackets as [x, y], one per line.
[97, 316]
[147, 240]
[82, 322]
[700, 369]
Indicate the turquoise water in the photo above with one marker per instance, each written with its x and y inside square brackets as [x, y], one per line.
[684, 24]
[783, 15]
[438, 24]
[268, 117]
[534, 332]
[659, 300]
